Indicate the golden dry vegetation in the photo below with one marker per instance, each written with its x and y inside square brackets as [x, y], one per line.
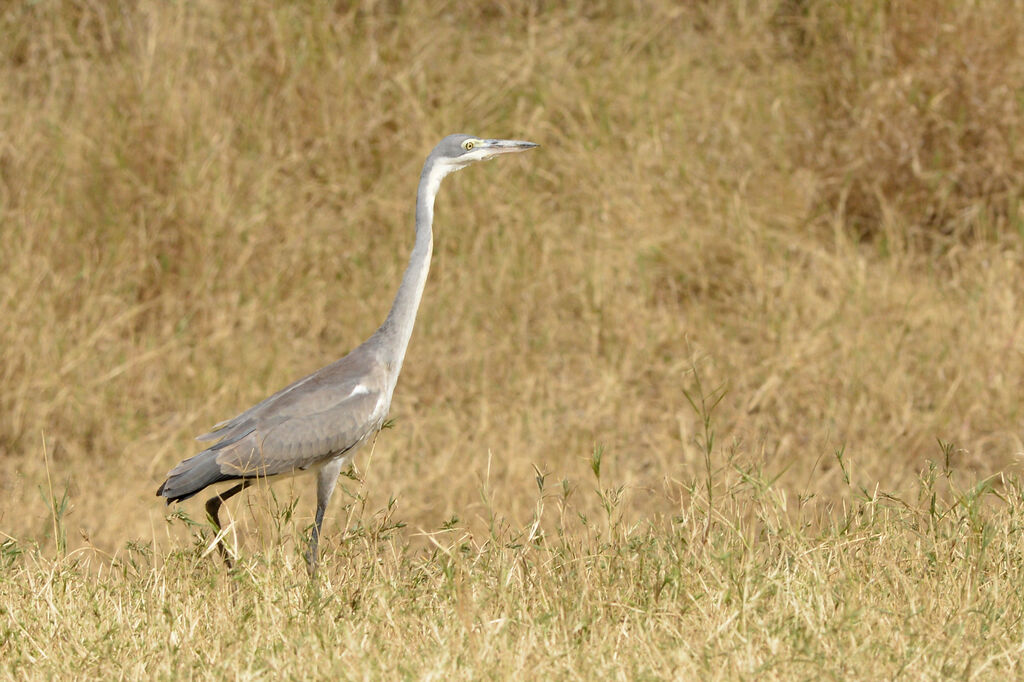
[808, 211]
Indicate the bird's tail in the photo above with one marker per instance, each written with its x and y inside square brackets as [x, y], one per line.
[191, 476]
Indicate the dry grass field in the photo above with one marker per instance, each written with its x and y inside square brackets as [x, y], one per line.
[723, 382]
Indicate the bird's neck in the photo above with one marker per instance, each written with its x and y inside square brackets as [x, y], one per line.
[397, 328]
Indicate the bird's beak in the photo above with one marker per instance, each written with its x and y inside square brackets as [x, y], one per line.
[495, 147]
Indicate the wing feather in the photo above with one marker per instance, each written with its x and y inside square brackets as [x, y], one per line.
[302, 441]
[326, 387]
[316, 418]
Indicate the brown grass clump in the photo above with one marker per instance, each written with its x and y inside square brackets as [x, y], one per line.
[921, 107]
[200, 202]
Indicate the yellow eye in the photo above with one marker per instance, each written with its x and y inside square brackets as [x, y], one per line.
[467, 145]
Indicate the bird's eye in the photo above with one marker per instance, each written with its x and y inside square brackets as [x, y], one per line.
[467, 145]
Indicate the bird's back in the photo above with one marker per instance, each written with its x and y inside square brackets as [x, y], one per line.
[317, 418]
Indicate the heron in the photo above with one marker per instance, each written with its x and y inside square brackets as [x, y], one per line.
[318, 423]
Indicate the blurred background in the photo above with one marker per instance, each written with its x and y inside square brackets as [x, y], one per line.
[811, 208]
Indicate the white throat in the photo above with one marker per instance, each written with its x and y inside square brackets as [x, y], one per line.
[434, 178]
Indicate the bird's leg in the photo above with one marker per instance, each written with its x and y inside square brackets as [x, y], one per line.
[326, 479]
[213, 506]
[312, 555]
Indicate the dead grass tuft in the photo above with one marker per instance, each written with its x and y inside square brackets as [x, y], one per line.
[920, 108]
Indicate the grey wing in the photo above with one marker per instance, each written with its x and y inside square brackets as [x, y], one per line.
[231, 427]
[318, 391]
[282, 444]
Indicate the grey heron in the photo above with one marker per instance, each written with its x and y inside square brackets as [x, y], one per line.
[317, 423]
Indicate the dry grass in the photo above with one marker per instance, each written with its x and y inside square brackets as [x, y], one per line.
[922, 107]
[815, 205]
[772, 588]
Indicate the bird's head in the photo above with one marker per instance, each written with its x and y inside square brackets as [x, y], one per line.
[458, 151]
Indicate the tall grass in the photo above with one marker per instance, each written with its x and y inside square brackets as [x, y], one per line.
[752, 581]
[814, 205]
[921, 112]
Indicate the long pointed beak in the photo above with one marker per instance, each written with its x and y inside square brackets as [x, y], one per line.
[495, 147]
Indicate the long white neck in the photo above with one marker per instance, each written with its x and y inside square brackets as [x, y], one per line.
[397, 328]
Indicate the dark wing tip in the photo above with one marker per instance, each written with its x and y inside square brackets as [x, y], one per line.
[191, 476]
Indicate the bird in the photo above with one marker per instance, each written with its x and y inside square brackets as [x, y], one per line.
[317, 423]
